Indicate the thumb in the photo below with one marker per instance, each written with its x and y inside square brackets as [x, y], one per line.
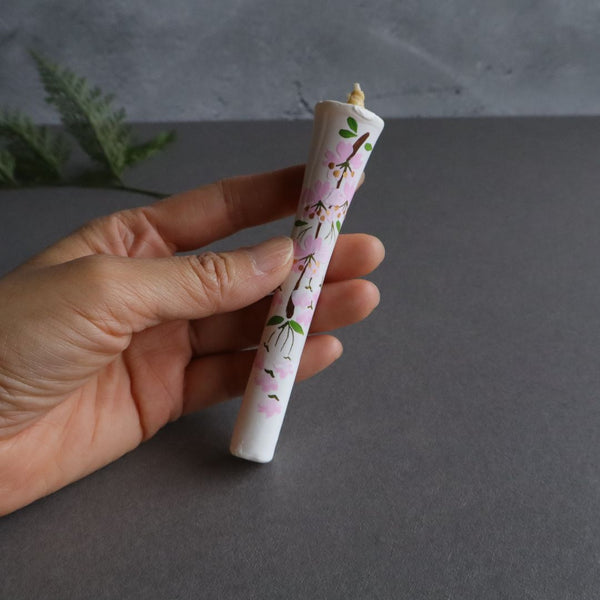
[132, 294]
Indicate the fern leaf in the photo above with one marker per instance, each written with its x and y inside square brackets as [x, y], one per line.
[38, 153]
[7, 167]
[139, 152]
[87, 115]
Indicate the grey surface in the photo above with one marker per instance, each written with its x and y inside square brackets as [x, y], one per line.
[240, 59]
[454, 450]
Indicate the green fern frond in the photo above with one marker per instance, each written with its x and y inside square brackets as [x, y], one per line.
[139, 152]
[87, 115]
[35, 149]
[30, 154]
[7, 167]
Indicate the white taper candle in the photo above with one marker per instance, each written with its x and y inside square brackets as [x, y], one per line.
[344, 134]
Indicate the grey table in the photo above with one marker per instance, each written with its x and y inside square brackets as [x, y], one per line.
[454, 450]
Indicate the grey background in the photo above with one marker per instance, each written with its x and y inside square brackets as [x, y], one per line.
[452, 453]
[267, 59]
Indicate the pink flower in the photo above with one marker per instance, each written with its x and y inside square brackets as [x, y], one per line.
[304, 317]
[303, 298]
[308, 254]
[342, 151]
[312, 245]
[309, 245]
[270, 407]
[284, 368]
[265, 381]
[348, 190]
[311, 197]
[320, 190]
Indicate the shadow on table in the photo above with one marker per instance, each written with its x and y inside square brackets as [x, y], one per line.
[197, 445]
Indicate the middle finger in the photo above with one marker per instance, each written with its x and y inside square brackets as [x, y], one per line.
[340, 304]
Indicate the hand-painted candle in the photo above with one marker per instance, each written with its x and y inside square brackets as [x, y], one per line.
[344, 134]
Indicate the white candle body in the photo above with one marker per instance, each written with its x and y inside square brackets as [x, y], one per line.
[342, 140]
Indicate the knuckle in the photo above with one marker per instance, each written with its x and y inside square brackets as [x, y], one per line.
[128, 232]
[94, 273]
[138, 229]
[115, 232]
[98, 294]
[105, 234]
[215, 271]
[118, 224]
[230, 194]
[105, 224]
[93, 267]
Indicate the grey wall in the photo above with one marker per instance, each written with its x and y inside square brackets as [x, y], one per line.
[244, 59]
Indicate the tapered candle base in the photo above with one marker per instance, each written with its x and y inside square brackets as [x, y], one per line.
[254, 436]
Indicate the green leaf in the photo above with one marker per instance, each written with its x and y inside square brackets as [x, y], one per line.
[273, 396]
[7, 167]
[87, 115]
[347, 134]
[39, 155]
[300, 223]
[352, 124]
[139, 152]
[269, 372]
[275, 320]
[296, 327]
[368, 147]
[338, 226]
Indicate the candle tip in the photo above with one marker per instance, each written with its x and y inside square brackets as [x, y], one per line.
[356, 96]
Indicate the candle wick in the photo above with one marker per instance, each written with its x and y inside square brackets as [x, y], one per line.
[356, 96]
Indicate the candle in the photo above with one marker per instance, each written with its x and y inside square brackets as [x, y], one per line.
[344, 134]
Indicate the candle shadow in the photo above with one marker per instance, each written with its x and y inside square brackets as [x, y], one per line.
[198, 445]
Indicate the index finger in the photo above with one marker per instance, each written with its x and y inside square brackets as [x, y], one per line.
[198, 217]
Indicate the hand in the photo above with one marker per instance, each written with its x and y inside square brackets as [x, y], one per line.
[106, 336]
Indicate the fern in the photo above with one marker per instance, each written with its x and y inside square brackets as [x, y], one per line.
[33, 155]
[87, 115]
[139, 152]
[7, 167]
[39, 154]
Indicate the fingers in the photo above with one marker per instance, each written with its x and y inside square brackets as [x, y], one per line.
[198, 217]
[354, 255]
[195, 218]
[340, 304]
[125, 295]
[183, 222]
[220, 377]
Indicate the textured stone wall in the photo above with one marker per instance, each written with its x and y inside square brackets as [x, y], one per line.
[268, 59]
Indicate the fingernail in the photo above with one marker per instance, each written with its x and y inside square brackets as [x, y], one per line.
[272, 254]
[339, 349]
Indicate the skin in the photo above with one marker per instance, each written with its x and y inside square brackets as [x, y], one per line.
[106, 336]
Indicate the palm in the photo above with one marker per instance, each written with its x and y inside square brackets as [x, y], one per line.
[122, 404]
[155, 364]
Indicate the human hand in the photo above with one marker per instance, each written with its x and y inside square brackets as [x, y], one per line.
[106, 336]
